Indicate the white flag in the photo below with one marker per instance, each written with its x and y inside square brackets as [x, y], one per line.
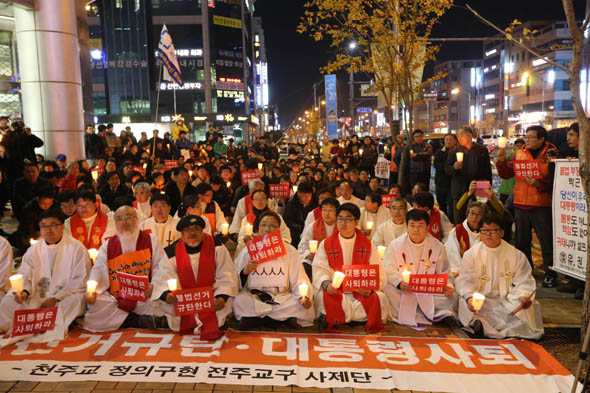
[167, 56]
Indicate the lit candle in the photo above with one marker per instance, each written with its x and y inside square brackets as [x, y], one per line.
[93, 252]
[190, 173]
[459, 156]
[369, 225]
[406, 276]
[381, 250]
[172, 284]
[361, 152]
[502, 142]
[313, 246]
[303, 288]
[260, 165]
[477, 301]
[33, 242]
[411, 151]
[294, 188]
[94, 175]
[163, 192]
[228, 184]
[249, 229]
[91, 286]
[337, 280]
[144, 165]
[16, 282]
[224, 228]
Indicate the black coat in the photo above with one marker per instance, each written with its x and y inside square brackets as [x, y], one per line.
[174, 194]
[476, 166]
[295, 215]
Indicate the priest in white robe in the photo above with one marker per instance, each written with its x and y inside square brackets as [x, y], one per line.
[317, 231]
[348, 246]
[245, 205]
[161, 223]
[89, 224]
[395, 226]
[419, 253]
[268, 300]
[54, 272]
[464, 236]
[191, 205]
[195, 261]
[347, 197]
[503, 274]
[142, 203]
[107, 311]
[317, 212]
[373, 212]
[5, 266]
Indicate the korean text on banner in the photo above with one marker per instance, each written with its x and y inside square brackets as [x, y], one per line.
[249, 175]
[360, 277]
[382, 168]
[279, 190]
[386, 198]
[33, 321]
[170, 164]
[570, 225]
[524, 168]
[192, 301]
[132, 287]
[266, 247]
[331, 107]
[428, 283]
[137, 263]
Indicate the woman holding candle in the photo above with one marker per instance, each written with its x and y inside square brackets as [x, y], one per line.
[348, 246]
[418, 252]
[503, 275]
[53, 273]
[271, 292]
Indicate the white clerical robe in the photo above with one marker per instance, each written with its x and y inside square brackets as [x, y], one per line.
[5, 266]
[104, 314]
[358, 202]
[145, 208]
[380, 217]
[388, 232]
[285, 233]
[503, 274]
[310, 219]
[452, 246]
[240, 213]
[165, 231]
[306, 236]
[50, 271]
[288, 298]
[410, 308]
[110, 230]
[322, 271]
[224, 284]
[219, 217]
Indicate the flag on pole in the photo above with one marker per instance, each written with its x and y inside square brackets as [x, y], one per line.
[167, 56]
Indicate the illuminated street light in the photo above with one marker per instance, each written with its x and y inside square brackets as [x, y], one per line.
[525, 77]
[352, 45]
[455, 91]
[323, 102]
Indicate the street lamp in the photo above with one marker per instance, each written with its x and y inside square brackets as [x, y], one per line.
[352, 45]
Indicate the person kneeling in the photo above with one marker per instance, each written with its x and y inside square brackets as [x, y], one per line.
[503, 274]
[54, 272]
[196, 261]
[270, 291]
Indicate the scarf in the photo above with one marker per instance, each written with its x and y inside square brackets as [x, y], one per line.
[99, 226]
[462, 238]
[333, 303]
[205, 278]
[319, 230]
[434, 227]
[248, 203]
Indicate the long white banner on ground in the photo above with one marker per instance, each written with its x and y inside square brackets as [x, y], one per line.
[570, 223]
[306, 360]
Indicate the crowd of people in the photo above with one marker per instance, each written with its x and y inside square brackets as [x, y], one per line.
[184, 211]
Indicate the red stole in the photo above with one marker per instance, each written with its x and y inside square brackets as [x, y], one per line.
[319, 230]
[333, 303]
[114, 249]
[248, 203]
[205, 278]
[251, 217]
[462, 238]
[97, 229]
[434, 227]
[317, 213]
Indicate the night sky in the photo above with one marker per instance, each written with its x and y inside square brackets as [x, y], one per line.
[294, 59]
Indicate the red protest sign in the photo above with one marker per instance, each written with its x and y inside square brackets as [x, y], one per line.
[132, 287]
[360, 277]
[279, 190]
[192, 301]
[267, 247]
[524, 168]
[428, 283]
[139, 169]
[33, 321]
[481, 188]
[386, 198]
[170, 164]
[249, 175]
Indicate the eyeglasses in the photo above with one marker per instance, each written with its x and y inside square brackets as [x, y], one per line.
[474, 214]
[328, 210]
[125, 218]
[489, 231]
[269, 226]
[48, 227]
[345, 220]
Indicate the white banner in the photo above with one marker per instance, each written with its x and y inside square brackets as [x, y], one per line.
[382, 168]
[570, 226]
